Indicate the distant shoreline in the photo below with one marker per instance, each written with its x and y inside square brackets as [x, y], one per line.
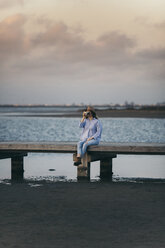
[125, 113]
[132, 113]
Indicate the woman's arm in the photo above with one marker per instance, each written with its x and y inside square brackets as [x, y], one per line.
[83, 121]
[99, 131]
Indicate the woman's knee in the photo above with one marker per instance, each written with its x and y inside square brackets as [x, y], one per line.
[93, 142]
[80, 144]
[85, 145]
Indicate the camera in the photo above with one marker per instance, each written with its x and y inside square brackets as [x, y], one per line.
[87, 113]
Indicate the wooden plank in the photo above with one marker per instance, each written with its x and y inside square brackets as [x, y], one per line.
[64, 147]
[11, 154]
[71, 147]
[131, 148]
[96, 156]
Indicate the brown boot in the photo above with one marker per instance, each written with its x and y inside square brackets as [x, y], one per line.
[78, 161]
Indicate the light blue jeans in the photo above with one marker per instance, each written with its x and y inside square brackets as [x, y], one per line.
[83, 145]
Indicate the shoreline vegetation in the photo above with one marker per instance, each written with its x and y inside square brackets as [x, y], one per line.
[127, 110]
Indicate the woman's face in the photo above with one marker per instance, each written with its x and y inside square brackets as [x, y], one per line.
[90, 114]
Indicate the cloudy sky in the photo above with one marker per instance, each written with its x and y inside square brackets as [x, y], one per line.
[82, 51]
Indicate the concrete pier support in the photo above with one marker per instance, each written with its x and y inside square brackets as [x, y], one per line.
[83, 170]
[17, 169]
[106, 169]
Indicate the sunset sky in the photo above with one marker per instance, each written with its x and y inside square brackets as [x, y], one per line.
[82, 51]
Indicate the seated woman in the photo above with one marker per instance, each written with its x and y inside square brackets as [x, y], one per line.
[91, 133]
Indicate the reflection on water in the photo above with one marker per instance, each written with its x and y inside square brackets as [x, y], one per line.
[59, 167]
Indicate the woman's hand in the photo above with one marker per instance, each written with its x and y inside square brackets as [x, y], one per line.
[84, 117]
[84, 114]
[89, 139]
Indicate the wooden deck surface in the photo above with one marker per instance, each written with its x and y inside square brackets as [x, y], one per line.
[70, 147]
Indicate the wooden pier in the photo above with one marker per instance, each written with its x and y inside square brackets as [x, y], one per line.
[104, 153]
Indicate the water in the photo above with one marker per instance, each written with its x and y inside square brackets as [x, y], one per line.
[66, 129]
[55, 167]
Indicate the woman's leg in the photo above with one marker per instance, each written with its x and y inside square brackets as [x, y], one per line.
[79, 148]
[89, 143]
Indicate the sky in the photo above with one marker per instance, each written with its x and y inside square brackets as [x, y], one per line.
[82, 51]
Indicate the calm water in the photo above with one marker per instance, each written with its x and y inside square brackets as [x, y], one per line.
[66, 129]
[59, 166]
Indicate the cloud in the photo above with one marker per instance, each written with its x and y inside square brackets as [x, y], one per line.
[12, 37]
[152, 54]
[60, 42]
[69, 45]
[10, 3]
[61, 51]
[116, 41]
[56, 35]
[160, 25]
[145, 21]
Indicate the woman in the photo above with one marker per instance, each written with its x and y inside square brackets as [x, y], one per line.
[91, 133]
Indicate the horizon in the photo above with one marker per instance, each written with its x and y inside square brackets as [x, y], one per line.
[83, 105]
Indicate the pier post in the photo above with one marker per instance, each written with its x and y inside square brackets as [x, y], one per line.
[17, 169]
[106, 169]
[83, 170]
